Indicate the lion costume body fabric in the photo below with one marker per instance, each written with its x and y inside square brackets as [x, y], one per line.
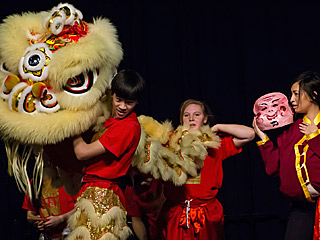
[55, 71]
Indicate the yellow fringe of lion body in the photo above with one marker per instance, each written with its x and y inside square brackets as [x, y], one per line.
[172, 155]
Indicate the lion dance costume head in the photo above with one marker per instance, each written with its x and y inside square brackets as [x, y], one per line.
[55, 69]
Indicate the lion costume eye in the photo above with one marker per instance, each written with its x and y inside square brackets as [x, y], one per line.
[82, 83]
[4, 68]
[34, 64]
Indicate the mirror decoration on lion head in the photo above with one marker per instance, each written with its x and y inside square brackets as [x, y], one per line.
[55, 69]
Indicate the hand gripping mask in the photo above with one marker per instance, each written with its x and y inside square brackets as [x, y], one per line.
[272, 111]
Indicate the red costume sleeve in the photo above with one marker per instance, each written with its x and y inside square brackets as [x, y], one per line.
[27, 204]
[116, 134]
[228, 148]
[270, 156]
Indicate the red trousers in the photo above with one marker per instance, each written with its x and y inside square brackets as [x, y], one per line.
[204, 220]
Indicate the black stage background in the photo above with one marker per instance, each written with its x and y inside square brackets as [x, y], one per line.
[225, 53]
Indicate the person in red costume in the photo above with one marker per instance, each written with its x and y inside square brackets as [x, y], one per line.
[50, 217]
[144, 200]
[295, 157]
[192, 211]
[101, 204]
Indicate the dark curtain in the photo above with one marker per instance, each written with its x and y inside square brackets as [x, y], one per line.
[227, 53]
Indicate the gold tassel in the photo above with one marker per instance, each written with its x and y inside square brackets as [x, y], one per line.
[10, 149]
[17, 167]
[38, 172]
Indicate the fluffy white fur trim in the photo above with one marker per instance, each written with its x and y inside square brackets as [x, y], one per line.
[46, 128]
[156, 131]
[100, 48]
[125, 233]
[115, 214]
[85, 235]
[182, 155]
[79, 232]
[13, 36]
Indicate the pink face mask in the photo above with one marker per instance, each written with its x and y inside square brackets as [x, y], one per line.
[272, 111]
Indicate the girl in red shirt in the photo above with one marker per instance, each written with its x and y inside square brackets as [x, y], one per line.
[192, 211]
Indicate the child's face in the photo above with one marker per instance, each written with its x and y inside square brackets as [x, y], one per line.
[121, 107]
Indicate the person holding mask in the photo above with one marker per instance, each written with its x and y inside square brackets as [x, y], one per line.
[192, 211]
[296, 158]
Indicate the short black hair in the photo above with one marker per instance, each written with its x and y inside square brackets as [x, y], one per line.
[127, 84]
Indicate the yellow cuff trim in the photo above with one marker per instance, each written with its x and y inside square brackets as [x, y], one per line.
[263, 141]
[313, 135]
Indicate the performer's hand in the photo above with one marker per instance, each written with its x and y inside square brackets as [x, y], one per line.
[261, 134]
[37, 220]
[39, 225]
[214, 129]
[53, 221]
[306, 128]
[146, 182]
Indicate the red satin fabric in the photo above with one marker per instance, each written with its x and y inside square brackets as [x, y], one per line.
[196, 217]
[205, 221]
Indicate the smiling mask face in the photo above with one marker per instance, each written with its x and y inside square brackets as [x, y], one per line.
[272, 111]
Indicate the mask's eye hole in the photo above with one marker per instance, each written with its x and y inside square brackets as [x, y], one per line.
[81, 83]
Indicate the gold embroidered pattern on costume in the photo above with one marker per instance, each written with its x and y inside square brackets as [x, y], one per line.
[50, 200]
[102, 200]
[194, 180]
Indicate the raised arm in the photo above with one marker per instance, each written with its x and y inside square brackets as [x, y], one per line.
[86, 151]
[241, 134]
[270, 154]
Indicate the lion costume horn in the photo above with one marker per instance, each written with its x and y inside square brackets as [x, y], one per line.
[54, 73]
